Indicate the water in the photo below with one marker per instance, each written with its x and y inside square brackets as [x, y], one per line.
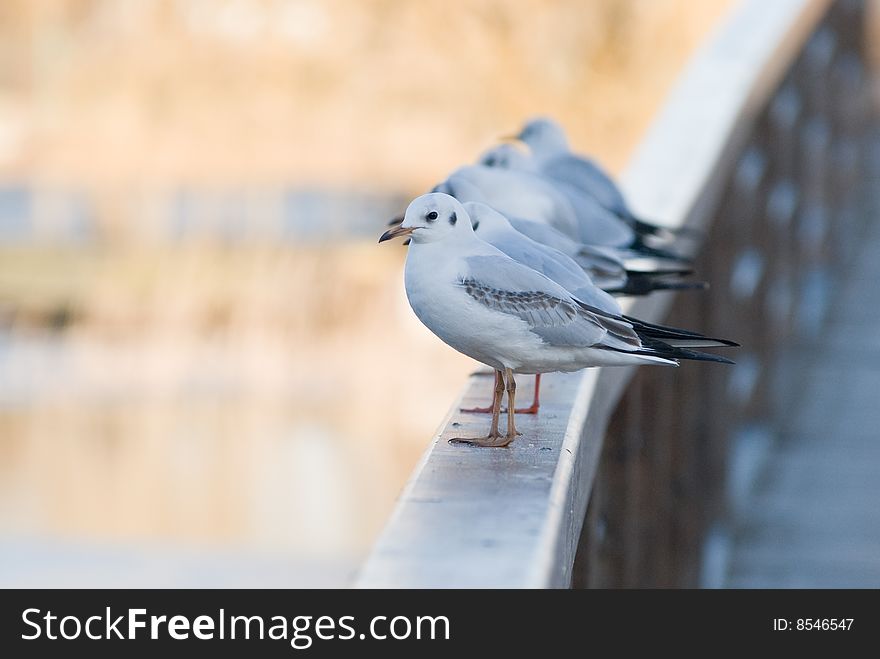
[91, 457]
[188, 415]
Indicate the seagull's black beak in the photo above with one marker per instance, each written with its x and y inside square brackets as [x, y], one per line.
[394, 233]
[395, 220]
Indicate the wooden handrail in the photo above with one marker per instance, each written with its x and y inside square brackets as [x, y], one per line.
[471, 517]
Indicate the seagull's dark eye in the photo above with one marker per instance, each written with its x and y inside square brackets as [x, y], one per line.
[431, 216]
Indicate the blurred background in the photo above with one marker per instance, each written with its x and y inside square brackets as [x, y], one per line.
[209, 375]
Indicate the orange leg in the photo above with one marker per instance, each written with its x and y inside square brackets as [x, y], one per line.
[536, 400]
[532, 409]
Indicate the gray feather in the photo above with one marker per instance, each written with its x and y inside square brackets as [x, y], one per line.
[504, 285]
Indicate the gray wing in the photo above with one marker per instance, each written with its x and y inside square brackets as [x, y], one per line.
[559, 267]
[503, 285]
[597, 224]
[545, 234]
[601, 263]
[586, 175]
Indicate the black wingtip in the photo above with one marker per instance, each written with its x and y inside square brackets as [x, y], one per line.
[681, 286]
[697, 356]
[645, 285]
[664, 333]
[660, 272]
[640, 248]
[672, 352]
[646, 228]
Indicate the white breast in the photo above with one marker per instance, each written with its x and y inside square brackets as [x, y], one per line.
[496, 339]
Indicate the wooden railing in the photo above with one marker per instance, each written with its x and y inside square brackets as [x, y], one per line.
[630, 477]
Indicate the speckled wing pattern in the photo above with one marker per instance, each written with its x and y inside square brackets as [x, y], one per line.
[503, 285]
[536, 308]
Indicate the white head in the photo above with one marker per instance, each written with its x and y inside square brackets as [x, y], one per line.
[431, 217]
[486, 219]
[544, 137]
[507, 156]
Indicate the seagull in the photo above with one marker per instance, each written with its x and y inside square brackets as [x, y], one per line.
[575, 213]
[587, 265]
[605, 265]
[508, 316]
[524, 194]
[551, 157]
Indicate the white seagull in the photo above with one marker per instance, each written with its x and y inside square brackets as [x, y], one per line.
[526, 194]
[574, 212]
[605, 265]
[508, 316]
[551, 157]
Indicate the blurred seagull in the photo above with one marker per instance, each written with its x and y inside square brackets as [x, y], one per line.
[550, 156]
[523, 194]
[508, 316]
[605, 265]
[579, 215]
